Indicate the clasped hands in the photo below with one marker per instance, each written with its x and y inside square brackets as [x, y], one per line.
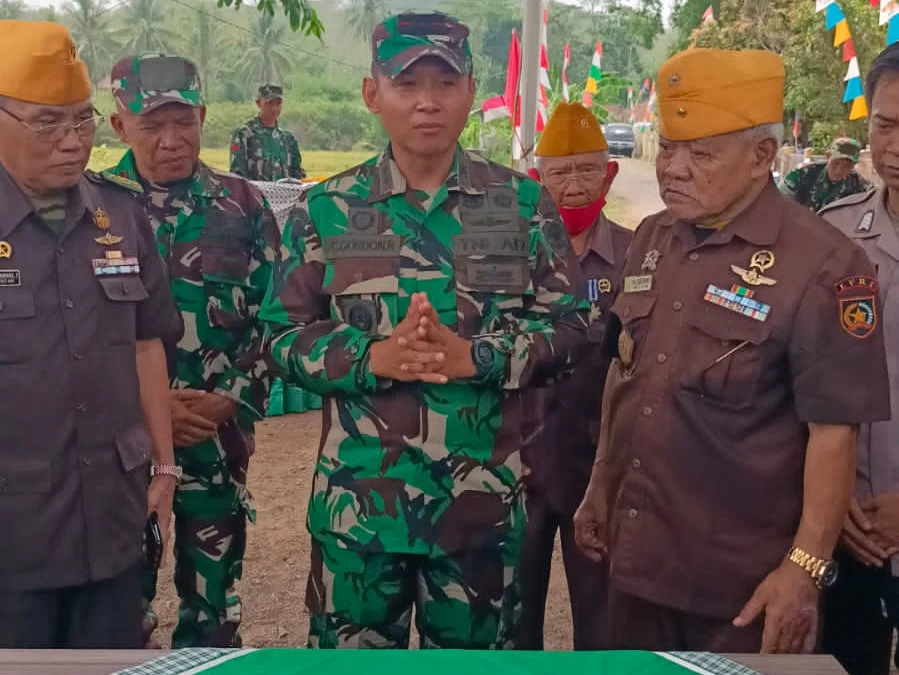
[421, 349]
[197, 415]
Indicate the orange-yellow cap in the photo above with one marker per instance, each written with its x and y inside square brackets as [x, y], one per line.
[40, 64]
[709, 92]
[571, 130]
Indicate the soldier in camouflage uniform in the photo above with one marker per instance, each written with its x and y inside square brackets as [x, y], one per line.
[823, 183]
[220, 242]
[421, 293]
[260, 149]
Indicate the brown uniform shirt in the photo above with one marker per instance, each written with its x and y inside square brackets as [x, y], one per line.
[74, 449]
[561, 428]
[706, 407]
[866, 220]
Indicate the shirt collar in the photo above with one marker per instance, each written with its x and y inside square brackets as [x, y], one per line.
[758, 224]
[17, 206]
[204, 184]
[600, 242]
[257, 122]
[388, 181]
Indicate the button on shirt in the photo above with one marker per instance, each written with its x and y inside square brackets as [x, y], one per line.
[74, 449]
[866, 220]
[561, 428]
[720, 427]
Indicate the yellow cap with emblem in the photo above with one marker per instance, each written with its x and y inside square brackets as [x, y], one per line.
[571, 130]
[40, 64]
[709, 92]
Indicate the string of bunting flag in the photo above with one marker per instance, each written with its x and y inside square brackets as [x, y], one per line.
[889, 17]
[835, 20]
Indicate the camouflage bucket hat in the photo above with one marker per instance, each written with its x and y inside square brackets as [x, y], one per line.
[143, 83]
[846, 148]
[403, 39]
[270, 92]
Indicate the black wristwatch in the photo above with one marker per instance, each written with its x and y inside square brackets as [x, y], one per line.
[483, 356]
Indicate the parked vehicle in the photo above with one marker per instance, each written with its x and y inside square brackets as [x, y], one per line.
[620, 138]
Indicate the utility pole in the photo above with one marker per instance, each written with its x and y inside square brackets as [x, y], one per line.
[530, 76]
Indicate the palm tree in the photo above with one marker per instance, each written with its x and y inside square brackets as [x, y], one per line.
[144, 28]
[364, 15]
[265, 55]
[203, 42]
[89, 23]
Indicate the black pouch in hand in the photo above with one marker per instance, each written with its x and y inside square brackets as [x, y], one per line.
[153, 542]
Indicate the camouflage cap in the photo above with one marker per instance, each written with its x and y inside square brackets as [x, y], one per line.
[270, 92]
[144, 83]
[846, 148]
[403, 39]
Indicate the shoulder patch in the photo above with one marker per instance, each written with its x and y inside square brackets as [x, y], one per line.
[857, 298]
[864, 225]
[120, 181]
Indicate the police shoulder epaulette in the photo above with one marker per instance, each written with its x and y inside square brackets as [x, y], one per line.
[107, 177]
[851, 200]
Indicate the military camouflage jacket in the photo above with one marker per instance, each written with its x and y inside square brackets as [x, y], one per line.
[265, 154]
[220, 242]
[410, 467]
[812, 187]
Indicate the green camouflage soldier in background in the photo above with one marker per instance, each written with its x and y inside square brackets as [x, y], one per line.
[220, 242]
[822, 183]
[260, 149]
[421, 292]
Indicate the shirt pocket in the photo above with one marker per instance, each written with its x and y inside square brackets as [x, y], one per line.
[491, 285]
[17, 325]
[721, 358]
[634, 312]
[364, 293]
[225, 267]
[122, 294]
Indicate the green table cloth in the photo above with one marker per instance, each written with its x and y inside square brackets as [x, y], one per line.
[433, 662]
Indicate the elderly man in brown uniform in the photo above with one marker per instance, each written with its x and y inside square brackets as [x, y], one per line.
[558, 446]
[84, 309]
[855, 628]
[747, 355]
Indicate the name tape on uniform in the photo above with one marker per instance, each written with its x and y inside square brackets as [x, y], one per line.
[638, 284]
[489, 276]
[363, 246]
[10, 278]
[494, 243]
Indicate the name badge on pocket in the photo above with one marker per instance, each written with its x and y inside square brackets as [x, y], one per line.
[9, 278]
[638, 284]
[107, 267]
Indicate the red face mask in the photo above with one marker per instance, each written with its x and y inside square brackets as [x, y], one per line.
[581, 218]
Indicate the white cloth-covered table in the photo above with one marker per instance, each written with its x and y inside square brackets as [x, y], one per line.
[282, 196]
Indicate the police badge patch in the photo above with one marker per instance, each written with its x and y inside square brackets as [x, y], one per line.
[857, 298]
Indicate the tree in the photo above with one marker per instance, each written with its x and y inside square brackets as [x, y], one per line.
[299, 13]
[202, 45]
[12, 9]
[364, 15]
[90, 25]
[265, 58]
[144, 28]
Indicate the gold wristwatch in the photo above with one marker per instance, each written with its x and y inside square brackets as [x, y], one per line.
[166, 470]
[824, 572]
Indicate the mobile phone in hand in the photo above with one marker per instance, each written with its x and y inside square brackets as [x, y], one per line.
[153, 542]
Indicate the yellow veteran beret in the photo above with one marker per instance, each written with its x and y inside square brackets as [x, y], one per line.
[708, 92]
[571, 130]
[40, 64]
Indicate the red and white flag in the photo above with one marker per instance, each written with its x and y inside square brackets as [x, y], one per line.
[545, 85]
[708, 16]
[567, 62]
[507, 105]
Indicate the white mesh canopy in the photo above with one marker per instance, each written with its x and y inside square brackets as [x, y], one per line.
[282, 197]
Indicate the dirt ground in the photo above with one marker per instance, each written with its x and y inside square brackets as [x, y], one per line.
[277, 559]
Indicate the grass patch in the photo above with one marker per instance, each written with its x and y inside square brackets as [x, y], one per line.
[318, 163]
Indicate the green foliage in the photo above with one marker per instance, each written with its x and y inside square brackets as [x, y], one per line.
[299, 13]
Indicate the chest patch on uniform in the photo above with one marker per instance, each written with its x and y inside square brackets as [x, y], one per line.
[106, 267]
[864, 225]
[638, 284]
[491, 243]
[857, 298]
[597, 287]
[363, 246]
[9, 278]
[738, 299]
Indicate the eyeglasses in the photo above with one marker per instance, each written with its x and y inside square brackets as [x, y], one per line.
[54, 133]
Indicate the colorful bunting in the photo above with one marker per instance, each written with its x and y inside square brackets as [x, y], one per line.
[595, 74]
[835, 20]
[565, 63]
[893, 31]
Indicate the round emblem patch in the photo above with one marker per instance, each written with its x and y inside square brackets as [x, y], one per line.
[361, 315]
[858, 317]
[483, 354]
[361, 220]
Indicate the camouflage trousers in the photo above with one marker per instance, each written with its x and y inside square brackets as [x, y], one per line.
[211, 509]
[465, 600]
